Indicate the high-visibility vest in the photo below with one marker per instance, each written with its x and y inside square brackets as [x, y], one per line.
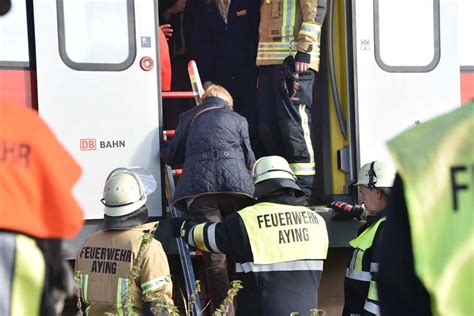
[281, 233]
[22, 275]
[436, 162]
[356, 269]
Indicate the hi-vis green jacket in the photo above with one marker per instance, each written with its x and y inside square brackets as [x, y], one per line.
[104, 262]
[289, 26]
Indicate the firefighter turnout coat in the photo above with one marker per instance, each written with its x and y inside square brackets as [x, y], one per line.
[279, 250]
[288, 26]
[104, 262]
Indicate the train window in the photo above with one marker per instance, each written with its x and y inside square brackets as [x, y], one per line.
[407, 35]
[97, 35]
[14, 37]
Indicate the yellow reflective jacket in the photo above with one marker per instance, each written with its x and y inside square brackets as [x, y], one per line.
[289, 26]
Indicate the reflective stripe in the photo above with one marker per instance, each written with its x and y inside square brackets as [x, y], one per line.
[372, 308]
[303, 168]
[28, 280]
[191, 238]
[306, 132]
[198, 235]
[272, 55]
[358, 275]
[289, 16]
[374, 267]
[353, 259]
[310, 27]
[358, 261]
[84, 287]
[155, 284]
[7, 262]
[311, 30]
[274, 46]
[211, 235]
[306, 265]
[121, 295]
[77, 281]
[351, 314]
[373, 295]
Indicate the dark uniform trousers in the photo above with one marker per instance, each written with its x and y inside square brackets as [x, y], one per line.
[285, 127]
[214, 208]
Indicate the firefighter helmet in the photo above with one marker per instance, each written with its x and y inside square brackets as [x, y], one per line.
[272, 173]
[124, 193]
[376, 174]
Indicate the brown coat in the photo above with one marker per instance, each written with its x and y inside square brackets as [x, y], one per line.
[288, 26]
[104, 262]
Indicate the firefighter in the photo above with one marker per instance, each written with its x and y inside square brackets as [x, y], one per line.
[288, 57]
[375, 180]
[123, 269]
[37, 211]
[430, 228]
[279, 247]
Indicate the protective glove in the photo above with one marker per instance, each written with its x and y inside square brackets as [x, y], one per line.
[346, 211]
[177, 223]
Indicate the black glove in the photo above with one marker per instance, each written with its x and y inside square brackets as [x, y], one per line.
[176, 224]
[346, 211]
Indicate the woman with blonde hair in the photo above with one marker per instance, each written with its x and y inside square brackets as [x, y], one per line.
[212, 141]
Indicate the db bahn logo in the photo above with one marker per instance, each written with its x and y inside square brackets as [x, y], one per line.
[88, 144]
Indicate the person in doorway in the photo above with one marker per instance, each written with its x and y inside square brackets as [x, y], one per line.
[375, 181]
[165, 32]
[288, 57]
[430, 229]
[279, 247]
[213, 143]
[123, 269]
[37, 212]
[224, 44]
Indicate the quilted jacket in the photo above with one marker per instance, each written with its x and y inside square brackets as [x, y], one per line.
[213, 143]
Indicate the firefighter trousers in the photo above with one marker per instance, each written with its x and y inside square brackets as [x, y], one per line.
[285, 126]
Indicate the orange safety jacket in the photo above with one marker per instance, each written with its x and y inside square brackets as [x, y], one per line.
[36, 178]
[165, 62]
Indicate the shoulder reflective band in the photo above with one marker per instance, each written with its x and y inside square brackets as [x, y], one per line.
[302, 265]
[358, 275]
[155, 284]
[372, 308]
[121, 296]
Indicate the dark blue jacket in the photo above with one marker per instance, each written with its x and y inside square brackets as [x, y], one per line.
[213, 143]
[224, 51]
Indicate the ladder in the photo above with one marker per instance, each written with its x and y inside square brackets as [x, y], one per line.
[183, 249]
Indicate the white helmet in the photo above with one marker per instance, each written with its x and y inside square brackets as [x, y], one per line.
[124, 193]
[376, 174]
[276, 169]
